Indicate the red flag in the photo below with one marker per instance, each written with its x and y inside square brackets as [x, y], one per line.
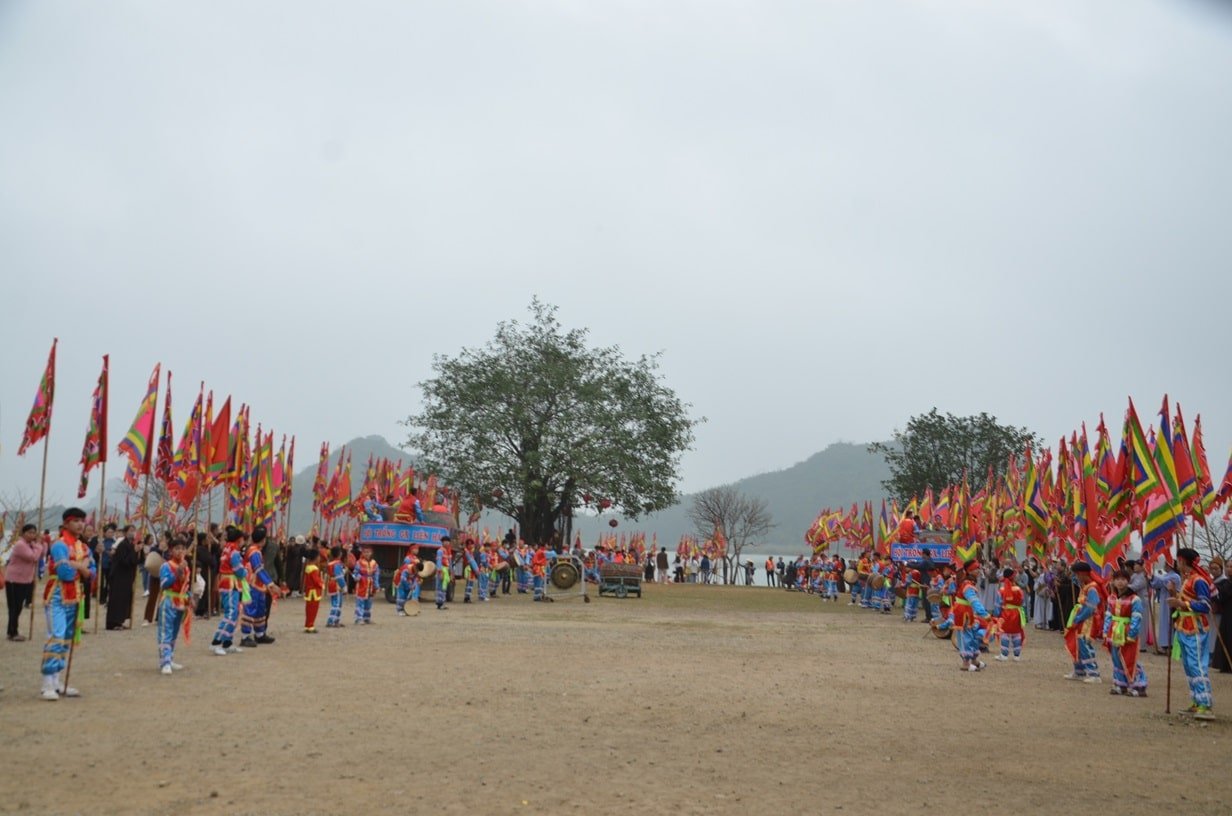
[166, 457]
[95, 450]
[220, 444]
[38, 424]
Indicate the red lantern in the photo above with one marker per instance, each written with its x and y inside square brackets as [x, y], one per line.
[586, 497]
[604, 504]
[611, 522]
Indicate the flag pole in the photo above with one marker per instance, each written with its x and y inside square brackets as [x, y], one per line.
[102, 507]
[42, 496]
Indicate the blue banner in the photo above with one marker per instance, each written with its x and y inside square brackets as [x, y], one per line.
[940, 553]
[402, 535]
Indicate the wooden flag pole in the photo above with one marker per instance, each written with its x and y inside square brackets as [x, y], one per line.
[42, 496]
[102, 508]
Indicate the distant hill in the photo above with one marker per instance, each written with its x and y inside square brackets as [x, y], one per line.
[837, 476]
[361, 448]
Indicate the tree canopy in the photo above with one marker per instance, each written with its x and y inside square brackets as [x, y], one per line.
[537, 424]
[936, 450]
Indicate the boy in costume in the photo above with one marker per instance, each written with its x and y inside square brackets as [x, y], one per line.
[1012, 616]
[1086, 620]
[367, 577]
[71, 572]
[261, 591]
[232, 587]
[314, 586]
[337, 587]
[1191, 629]
[1122, 623]
[173, 605]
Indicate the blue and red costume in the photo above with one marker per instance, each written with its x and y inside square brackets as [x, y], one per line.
[255, 620]
[1086, 622]
[1122, 623]
[173, 606]
[232, 587]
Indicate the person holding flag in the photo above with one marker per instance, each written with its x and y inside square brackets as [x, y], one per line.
[1191, 613]
[263, 589]
[173, 578]
[1085, 619]
[232, 587]
[72, 572]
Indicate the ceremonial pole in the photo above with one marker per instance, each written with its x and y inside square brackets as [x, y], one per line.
[102, 508]
[42, 497]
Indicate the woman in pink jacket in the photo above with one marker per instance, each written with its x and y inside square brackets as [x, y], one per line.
[19, 576]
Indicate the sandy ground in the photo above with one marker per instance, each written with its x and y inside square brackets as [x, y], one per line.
[690, 700]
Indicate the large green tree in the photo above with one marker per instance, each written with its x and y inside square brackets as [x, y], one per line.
[935, 450]
[538, 424]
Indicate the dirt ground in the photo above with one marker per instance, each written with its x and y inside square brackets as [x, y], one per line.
[690, 700]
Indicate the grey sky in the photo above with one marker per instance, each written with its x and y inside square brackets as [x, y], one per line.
[829, 215]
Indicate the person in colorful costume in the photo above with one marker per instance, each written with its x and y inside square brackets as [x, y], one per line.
[314, 588]
[1086, 620]
[470, 570]
[539, 569]
[523, 559]
[173, 604]
[443, 561]
[1012, 616]
[1122, 625]
[232, 586]
[969, 616]
[861, 589]
[367, 577]
[262, 590]
[912, 603]
[406, 583]
[831, 585]
[1191, 628]
[936, 584]
[409, 509]
[336, 586]
[71, 572]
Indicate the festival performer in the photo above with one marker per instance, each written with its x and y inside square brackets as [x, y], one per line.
[470, 570]
[1086, 620]
[410, 508]
[832, 570]
[523, 556]
[262, 589]
[443, 560]
[71, 572]
[487, 572]
[232, 587]
[367, 577]
[173, 604]
[862, 588]
[1191, 628]
[912, 603]
[336, 587]
[936, 586]
[404, 583]
[1122, 624]
[906, 529]
[538, 568]
[1013, 617]
[969, 616]
[314, 586]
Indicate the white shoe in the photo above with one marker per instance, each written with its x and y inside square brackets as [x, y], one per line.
[1017, 658]
[69, 692]
[145, 593]
[176, 666]
[145, 623]
[165, 670]
[219, 650]
[1094, 681]
[49, 688]
[973, 668]
[1002, 658]
[1072, 676]
[235, 649]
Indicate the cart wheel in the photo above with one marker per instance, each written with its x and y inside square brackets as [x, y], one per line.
[621, 592]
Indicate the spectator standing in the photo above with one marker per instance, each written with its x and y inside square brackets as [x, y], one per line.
[125, 558]
[19, 576]
[661, 565]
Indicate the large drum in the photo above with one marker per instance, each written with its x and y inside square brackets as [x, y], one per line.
[934, 596]
[850, 576]
[877, 581]
[426, 569]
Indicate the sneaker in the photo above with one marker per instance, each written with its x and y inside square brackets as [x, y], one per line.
[176, 666]
[402, 613]
[1092, 680]
[311, 630]
[1002, 658]
[145, 623]
[17, 638]
[265, 639]
[165, 670]
[1204, 713]
[1073, 676]
[49, 688]
[219, 650]
[145, 593]
[1017, 658]
[982, 665]
[72, 692]
[973, 668]
[236, 649]
[1134, 693]
[248, 643]
[1116, 690]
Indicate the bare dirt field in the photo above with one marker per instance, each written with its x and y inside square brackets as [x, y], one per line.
[690, 700]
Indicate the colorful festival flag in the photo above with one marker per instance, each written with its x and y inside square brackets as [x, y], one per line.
[164, 469]
[136, 443]
[94, 451]
[38, 424]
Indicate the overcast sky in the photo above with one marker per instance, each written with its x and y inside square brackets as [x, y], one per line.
[829, 216]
